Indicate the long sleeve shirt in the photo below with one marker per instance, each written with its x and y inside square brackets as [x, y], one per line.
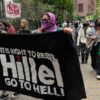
[81, 37]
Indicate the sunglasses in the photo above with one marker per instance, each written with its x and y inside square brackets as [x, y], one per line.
[44, 20]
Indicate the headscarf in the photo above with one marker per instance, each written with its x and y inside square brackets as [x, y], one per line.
[51, 25]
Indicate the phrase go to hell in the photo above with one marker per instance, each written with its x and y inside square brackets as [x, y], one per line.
[22, 64]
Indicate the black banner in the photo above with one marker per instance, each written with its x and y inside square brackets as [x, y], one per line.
[44, 66]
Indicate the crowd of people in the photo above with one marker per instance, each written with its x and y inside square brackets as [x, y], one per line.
[86, 37]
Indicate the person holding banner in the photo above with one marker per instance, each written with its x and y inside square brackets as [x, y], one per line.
[48, 24]
[10, 29]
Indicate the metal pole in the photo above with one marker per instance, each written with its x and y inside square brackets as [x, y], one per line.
[2, 11]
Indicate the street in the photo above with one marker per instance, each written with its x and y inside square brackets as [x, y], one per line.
[92, 85]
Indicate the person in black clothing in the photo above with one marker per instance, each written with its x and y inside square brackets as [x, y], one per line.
[24, 27]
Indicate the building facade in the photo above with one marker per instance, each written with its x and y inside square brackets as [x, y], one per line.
[85, 7]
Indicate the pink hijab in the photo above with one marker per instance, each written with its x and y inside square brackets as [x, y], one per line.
[50, 26]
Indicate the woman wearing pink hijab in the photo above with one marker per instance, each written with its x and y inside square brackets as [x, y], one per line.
[48, 24]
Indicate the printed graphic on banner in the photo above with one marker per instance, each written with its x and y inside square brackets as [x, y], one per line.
[13, 10]
[43, 77]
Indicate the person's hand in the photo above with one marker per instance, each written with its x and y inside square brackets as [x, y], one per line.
[39, 30]
[93, 37]
[67, 30]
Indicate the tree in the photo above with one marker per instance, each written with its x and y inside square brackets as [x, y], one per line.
[64, 8]
[34, 9]
[98, 8]
[69, 6]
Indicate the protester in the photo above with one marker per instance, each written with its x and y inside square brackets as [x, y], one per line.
[48, 24]
[65, 24]
[75, 36]
[80, 26]
[91, 33]
[9, 28]
[91, 30]
[95, 52]
[75, 32]
[24, 29]
[2, 28]
[82, 42]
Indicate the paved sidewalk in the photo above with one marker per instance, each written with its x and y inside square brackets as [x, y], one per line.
[92, 85]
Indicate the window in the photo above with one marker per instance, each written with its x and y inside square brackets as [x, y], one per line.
[80, 7]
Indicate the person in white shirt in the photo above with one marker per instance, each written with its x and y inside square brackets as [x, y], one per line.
[81, 40]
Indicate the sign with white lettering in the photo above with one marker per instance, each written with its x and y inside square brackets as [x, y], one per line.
[41, 66]
[12, 10]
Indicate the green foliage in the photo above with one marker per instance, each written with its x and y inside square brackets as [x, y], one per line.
[34, 9]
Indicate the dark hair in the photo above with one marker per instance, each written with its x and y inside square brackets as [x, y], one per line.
[46, 15]
[76, 24]
[6, 23]
[85, 25]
